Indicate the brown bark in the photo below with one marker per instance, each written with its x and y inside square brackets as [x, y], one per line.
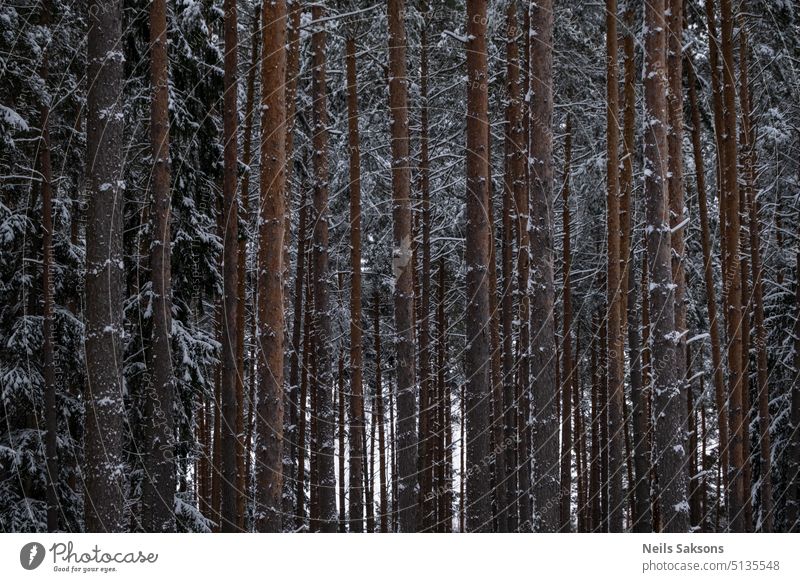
[616, 341]
[241, 293]
[294, 9]
[567, 383]
[341, 430]
[667, 410]
[640, 487]
[356, 350]
[543, 342]
[384, 494]
[402, 268]
[230, 519]
[594, 473]
[478, 255]
[158, 490]
[708, 272]
[738, 495]
[269, 446]
[322, 315]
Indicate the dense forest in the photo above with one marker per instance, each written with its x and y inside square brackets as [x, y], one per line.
[399, 266]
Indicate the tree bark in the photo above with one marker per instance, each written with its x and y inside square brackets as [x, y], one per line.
[402, 268]
[667, 411]
[230, 210]
[543, 343]
[567, 383]
[478, 351]
[269, 446]
[616, 341]
[356, 499]
[158, 490]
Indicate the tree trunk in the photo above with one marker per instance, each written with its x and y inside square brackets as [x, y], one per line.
[402, 268]
[567, 383]
[667, 409]
[269, 447]
[158, 490]
[230, 209]
[104, 274]
[478, 255]
[738, 495]
[356, 359]
[543, 344]
[241, 314]
[379, 412]
[708, 272]
[616, 341]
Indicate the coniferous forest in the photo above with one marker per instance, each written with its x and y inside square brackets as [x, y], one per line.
[399, 266]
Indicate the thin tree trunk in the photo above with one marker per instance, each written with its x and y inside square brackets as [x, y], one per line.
[567, 383]
[384, 495]
[642, 520]
[793, 497]
[616, 341]
[324, 387]
[543, 342]
[738, 495]
[594, 474]
[300, 490]
[230, 518]
[667, 411]
[158, 490]
[341, 431]
[294, 9]
[402, 268]
[269, 445]
[241, 314]
[356, 350]
[478, 256]
[708, 272]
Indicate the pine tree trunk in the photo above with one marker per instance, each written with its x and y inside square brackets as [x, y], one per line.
[793, 497]
[568, 378]
[294, 10]
[269, 445]
[667, 410]
[158, 490]
[104, 274]
[356, 358]
[675, 187]
[642, 521]
[478, 255]
[543, 343]
[241, 313]
[322, 315]
[733, 303]
[384, 513]
[708, 272]
[616, 341]
[230, 210]
[402, 268]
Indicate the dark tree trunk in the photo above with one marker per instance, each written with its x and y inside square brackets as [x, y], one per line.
[402, 268]
[158, 490]
[543, 343]
[269, 445]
